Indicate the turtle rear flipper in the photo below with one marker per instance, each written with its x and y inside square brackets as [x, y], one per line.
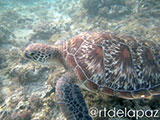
[70, 100]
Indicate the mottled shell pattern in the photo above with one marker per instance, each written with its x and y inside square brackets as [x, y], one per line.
[115, 64]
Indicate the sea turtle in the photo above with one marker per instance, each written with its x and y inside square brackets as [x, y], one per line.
[107, 62]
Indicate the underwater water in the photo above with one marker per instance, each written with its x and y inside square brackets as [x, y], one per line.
[25, 85]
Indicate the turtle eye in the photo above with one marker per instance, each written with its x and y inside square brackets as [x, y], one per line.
[32, 54]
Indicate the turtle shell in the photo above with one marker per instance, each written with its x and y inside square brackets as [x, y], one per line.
[115, 64]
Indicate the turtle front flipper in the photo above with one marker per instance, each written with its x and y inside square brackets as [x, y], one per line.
[70, 100]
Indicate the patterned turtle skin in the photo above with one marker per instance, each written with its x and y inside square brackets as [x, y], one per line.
[111, 63]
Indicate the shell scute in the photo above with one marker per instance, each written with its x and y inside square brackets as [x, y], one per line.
[91, 85]
[71, 60]
[90, 57]
[107, 91]
[124, 94]
[74, 44]
[81, 75]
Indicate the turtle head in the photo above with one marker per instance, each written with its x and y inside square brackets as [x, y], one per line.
[41, 53]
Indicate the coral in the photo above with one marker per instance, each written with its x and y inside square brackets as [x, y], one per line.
[3, 59]
[103, 11]
[35, 101]
[92, 6]
[15, 106]
[26, 74]
[9, 19]
[109, 3]
[118, 11]
[105, 7]
[5, 34]
[1, 94]
[80, 14]
[22, 115]
[9, 15]
[44, 31]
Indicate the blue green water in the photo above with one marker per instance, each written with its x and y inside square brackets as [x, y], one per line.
[23, 84]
